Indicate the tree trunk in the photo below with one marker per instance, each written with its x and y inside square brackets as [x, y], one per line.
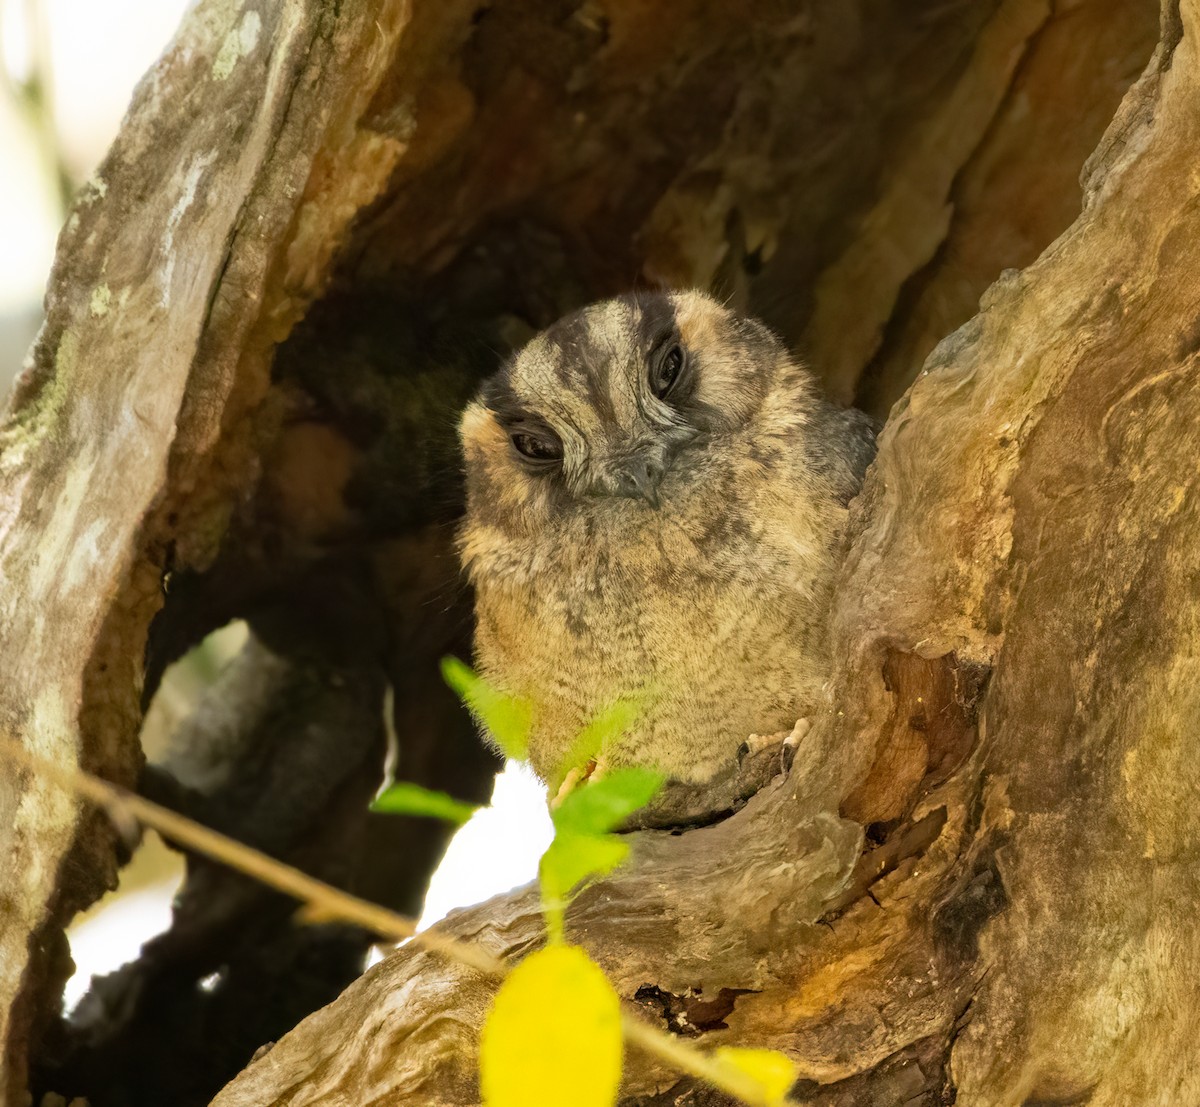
[319, 225]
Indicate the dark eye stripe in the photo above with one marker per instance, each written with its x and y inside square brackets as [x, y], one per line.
[536, 445]
[655, 318]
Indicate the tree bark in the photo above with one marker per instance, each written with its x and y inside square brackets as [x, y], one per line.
[975, 883]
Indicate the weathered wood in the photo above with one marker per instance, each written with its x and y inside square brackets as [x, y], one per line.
[1033, 514]
[458, 174]
[1018, 190]
[199, 241]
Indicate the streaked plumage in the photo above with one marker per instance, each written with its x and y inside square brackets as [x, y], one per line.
[683, 545]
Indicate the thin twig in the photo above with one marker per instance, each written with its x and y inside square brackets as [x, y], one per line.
[323, 899]
[687, 1059]
[329, 902]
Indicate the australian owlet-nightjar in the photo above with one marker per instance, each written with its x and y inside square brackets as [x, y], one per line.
[655, 493]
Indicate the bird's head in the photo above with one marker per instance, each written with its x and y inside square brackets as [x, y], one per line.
[615, 406]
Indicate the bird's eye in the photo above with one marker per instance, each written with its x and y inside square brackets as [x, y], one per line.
[665, 370]
[540, 448]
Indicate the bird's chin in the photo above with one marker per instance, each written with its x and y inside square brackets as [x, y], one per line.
[634, 511]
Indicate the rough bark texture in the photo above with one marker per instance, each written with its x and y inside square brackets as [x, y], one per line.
[322, 223]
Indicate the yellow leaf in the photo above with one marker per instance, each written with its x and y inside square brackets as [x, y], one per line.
[773, 1071]
[553, 1035]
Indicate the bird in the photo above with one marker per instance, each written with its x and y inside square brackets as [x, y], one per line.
[656, 493]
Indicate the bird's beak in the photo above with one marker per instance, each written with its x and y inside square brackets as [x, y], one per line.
[639, 477]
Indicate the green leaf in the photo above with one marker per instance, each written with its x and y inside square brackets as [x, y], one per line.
[600, 805]
[508, 719]
[572, 858]
[608, 724]
[773, 1071]
[406, 798]
[553, 1035]
[582, 847]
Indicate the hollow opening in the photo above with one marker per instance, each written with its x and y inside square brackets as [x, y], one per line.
[856, 176]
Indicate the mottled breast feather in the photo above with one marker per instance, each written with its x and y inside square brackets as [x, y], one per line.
[655, 495]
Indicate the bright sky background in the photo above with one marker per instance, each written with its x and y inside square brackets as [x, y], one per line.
[98, 50]
[497, 850]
